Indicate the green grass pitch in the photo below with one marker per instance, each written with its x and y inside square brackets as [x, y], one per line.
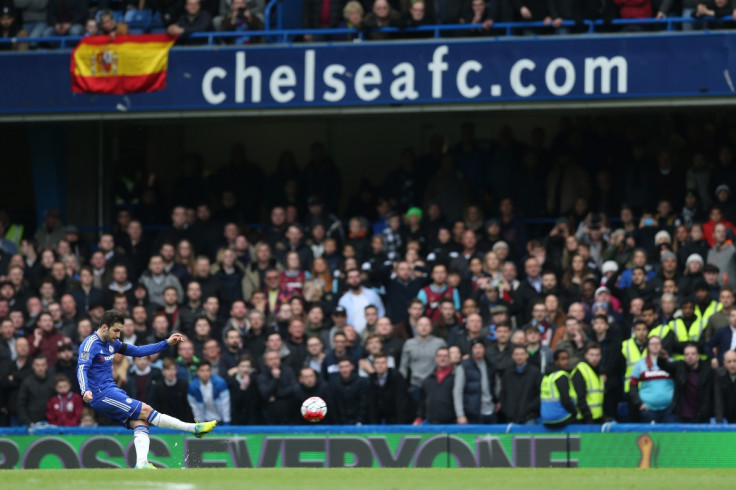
[355, 479]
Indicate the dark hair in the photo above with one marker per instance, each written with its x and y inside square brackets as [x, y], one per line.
[640, 322]
[558, 353]
[591, 346]
[648, 307]
[601, 317]
[380, 355]
[169, 363]
[62, 378]
[503, 324]
[342, 334]
[111, 317]
[516, 347]
[344, 359]
[205, 363]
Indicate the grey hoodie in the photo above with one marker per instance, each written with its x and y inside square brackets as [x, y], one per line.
[33, 10]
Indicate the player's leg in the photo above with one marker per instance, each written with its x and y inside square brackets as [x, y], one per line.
[158, 419]
[142, 442]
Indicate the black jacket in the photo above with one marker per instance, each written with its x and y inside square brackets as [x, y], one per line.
[520, 394]
[9, 387]
[280, 403]
[390, 403]
[725, 397]
[172, 400]
[436, 404]
[680, 372]
[32, 398]
[245, 403]
[350, 399]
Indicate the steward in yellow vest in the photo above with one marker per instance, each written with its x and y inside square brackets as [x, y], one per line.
[557, 394]
[588, 386]
[634, 349]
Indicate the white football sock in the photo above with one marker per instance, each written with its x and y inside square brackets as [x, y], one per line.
[141, 442]
[169, 422]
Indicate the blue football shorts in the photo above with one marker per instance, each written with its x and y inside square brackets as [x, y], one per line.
[116, 405]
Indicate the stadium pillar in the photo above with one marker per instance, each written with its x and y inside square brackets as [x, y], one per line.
[47, 151]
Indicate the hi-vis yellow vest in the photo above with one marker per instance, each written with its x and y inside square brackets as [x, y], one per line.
[593, 388]
[632, 354]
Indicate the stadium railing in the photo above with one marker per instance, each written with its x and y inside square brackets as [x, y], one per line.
[278, 35]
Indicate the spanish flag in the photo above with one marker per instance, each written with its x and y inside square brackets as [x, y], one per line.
[124, 65]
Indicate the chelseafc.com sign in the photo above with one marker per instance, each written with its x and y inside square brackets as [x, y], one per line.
[412, 79]
[396, 450]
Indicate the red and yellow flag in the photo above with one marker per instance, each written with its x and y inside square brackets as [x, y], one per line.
[124, 65]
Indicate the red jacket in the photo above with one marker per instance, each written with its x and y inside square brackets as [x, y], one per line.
[49, 345]
[634, 9]
[709, 227]
[65, 411]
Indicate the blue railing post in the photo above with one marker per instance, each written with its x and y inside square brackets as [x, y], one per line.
[267, 14]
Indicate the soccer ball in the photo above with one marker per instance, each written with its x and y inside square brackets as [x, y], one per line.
[314, 409]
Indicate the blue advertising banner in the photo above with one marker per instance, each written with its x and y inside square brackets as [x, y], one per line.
[396, 73]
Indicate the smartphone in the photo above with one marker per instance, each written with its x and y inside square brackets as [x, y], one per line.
[648, 221]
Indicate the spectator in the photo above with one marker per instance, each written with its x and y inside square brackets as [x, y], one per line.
[390, 344]
[208, 395]
[588, 384]
[431, 295]
[388, 401]
[722, 341]
[240, 18]
[693, 399]
[435, 403]
[499, 351]
[87, 294]
[65, 407]
[170, 394]
[7, 340]
[715, 318]
[142, 380]
[723, 256]
[244, 393]
[519, 399]
[34, 393]
[330, 368]
[557, 395]
[474, 393]
[473, 331]
[156, 280]
[381, 15]
[418, 356]
[652, 389]
[192, 308]
[46, 340]
[51, 230]
[12, 375]
[373, 347]
[66, 364]
[725, 390]
[356, 299]
[278, 389]
[66, 17]
[34, 21]
[539, 355]
[194, 19]
[110, 27]
[634, 349]
[349, 394]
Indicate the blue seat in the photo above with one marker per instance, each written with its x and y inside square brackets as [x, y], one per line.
[138, 19]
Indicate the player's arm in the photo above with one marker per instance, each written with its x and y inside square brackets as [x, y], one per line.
[83, 364]
[147, 350]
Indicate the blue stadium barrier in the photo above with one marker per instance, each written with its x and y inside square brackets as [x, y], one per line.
[388, 429]
[288, 35]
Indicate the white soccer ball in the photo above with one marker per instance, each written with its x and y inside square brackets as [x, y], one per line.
[314, 409]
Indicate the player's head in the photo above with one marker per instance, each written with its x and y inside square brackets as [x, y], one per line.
[111, 325]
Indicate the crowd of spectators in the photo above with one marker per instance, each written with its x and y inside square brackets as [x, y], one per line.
[433, 301]
[35, 18]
